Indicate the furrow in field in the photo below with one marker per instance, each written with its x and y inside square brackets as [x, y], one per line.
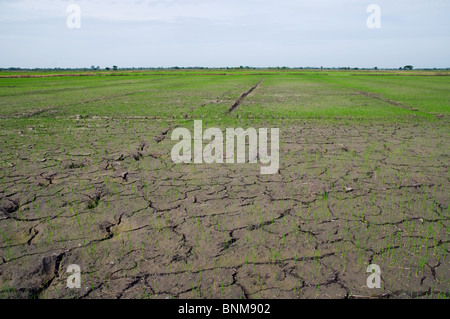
[391, 102]
[243, 96]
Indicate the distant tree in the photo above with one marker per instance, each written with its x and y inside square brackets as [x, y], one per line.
[107, 68]
[375, 68]
[93, 67]
[408, 67]
[115, 67]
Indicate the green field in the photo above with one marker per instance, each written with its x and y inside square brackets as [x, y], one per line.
[87, 178]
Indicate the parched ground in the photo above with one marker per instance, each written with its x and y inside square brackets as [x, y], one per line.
[101, 191]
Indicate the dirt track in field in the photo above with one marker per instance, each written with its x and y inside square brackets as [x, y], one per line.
[139, 226]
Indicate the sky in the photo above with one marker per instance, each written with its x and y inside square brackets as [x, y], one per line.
[224, 33]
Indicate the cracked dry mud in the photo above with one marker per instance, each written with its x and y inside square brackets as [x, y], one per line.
[139, 226]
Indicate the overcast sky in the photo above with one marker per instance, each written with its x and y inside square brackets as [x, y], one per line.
[220, 33]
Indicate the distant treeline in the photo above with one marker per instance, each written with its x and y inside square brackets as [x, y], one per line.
[408, 67]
